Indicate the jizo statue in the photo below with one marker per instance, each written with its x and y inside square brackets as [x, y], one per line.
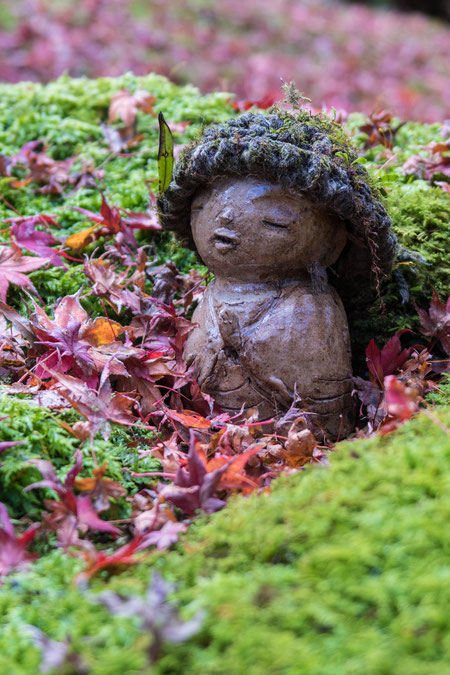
[294, 236]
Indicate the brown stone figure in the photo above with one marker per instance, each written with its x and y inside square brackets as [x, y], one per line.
[293, 234]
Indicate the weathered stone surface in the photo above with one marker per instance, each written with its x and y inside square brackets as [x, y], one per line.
[269, 325]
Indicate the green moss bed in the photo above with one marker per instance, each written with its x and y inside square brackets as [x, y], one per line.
[338, 570]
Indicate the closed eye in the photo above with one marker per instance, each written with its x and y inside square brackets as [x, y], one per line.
[278, 226]
[197, 208]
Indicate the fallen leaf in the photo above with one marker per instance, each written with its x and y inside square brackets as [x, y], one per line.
[13, 550]
[13, 266]
[189, 419]
[81, 239]
[100, 489]
[125, 105]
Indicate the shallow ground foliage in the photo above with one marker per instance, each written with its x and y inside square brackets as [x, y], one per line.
[343, 568]
[109, 451]
[341, 54]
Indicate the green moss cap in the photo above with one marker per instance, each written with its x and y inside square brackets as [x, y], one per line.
[298, 151]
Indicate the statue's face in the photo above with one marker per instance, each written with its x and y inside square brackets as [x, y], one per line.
[252, 230]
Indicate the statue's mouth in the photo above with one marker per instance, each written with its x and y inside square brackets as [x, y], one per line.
[225, 239]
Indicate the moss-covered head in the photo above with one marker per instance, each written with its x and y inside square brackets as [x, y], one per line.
[306, 154]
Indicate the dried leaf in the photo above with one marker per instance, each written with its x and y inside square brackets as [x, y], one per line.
[125, 105]
[81, 239]
[300, 446]
[189, 419]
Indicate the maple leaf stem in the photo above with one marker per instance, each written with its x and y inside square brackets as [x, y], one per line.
[383, 166]
[153, 473]
[437, 421]
[26, 373]
[60, 251]
[266, 475]
[111, 156]
[176, 391]
[254, 424]
[13, 208]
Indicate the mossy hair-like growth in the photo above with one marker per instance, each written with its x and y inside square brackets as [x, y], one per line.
[307, 154]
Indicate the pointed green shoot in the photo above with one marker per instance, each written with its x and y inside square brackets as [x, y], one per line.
[165, 154]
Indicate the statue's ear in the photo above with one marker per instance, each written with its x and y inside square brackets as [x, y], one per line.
[165, 154]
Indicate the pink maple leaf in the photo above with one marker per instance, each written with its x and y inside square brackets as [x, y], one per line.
[36, 241]
[13, 550]
[13, 266]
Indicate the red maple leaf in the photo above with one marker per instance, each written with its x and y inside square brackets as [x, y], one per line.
[13, 550]
[73, 339]
[36, 241]
[401, 403]
[436, 322]
[125, 105]
[389, 360]
[118, 288]
[13, 266]
[98, 407]
[99, 560]
[165, 537]
[42, 169]
[69, 513]
[193, 488]
[100, 489]
[379, 129]
[110, 222]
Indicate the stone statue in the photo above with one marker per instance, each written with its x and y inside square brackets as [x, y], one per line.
[293, 234]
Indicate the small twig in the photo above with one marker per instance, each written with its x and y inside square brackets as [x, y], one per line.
[383, 166]
[437, 421]
[13, 208]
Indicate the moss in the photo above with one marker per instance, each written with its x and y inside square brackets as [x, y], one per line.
[341, 569]
[45, 438]
[67, 114]
[441, 395]
[420, 216]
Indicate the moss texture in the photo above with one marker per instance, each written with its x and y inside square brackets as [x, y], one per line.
[45, 438]
[67, 114]
[343, 569]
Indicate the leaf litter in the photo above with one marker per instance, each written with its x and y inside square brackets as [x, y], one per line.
[125, 368]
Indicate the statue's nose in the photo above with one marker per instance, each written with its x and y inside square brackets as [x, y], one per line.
[226, 215]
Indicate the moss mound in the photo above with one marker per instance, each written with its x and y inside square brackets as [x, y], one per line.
[341, 569]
